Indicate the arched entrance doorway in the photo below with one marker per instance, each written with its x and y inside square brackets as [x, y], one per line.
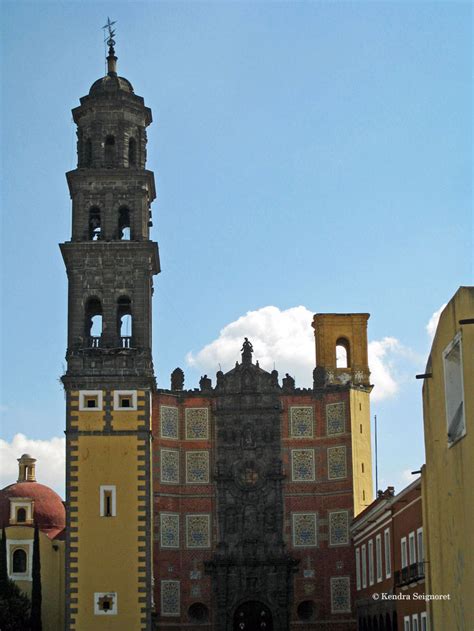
[253, 616]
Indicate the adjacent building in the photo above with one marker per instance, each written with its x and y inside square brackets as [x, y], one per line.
[390, 562]
[448, 489]
[24, 506]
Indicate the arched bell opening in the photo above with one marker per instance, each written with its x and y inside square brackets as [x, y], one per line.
[343, 353]
[124, 321]
[93, 321]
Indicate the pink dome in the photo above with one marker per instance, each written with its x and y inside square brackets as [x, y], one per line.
[49, 513]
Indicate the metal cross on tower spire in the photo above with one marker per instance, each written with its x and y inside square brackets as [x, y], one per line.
[109, 39]
[111, 34]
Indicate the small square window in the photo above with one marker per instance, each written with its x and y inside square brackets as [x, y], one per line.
[125, 400]
[90, 400]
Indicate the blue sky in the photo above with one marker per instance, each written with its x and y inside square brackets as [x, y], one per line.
[306, 154]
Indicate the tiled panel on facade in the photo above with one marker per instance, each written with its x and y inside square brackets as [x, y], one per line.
[169, 422]
[197, 423]
[301, 422]
[335, 418]
[337, 465]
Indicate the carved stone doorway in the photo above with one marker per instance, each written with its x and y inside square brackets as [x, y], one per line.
[253, 616]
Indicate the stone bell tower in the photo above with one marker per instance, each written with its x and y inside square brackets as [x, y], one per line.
[110, 262]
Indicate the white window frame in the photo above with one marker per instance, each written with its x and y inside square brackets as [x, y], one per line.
[125, 393]
[113, 490]
[378, 558]
[106, 612]
[91, 393]
[412, 548]
[370, 551]
[423, 619]
[21, 502]
[357, 560]
[388, 556]
[420, 548]
[406, 623]
[27, 546]
[404, 553]
[415, 624]
[449, 417]
[364, 566]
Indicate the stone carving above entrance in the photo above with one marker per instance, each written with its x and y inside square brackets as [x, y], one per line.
[251, 565]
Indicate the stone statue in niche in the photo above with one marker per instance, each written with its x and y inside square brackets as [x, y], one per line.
[231, 521]
[270, 519]
[250, 521]
[247, 440]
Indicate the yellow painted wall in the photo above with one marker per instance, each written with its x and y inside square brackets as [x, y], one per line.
[448, 489]
[52, 576]
[108, 547]
[361, 449]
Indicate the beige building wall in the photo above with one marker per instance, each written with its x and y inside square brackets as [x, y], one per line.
[448, 477]
[52, 572]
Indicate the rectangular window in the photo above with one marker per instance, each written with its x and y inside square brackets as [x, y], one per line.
[406, 623]
[357, 552]
[404, 552]
[125, 399]
[454, 390]
[364, 567]
[90, 400]
[108, 503]
[419, 542]
[424, 621]
[371, 562]
[414, 622]
[412, 547]
[388, 564]
[378, 557]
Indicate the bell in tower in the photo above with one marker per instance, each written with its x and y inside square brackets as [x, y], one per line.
[110, 262]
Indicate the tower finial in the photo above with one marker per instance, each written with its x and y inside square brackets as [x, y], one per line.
[109, 38]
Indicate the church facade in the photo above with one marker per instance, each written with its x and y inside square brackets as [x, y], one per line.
[255, 484]
[223, 507]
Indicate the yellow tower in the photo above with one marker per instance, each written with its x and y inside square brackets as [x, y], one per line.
[110, 263]
[342, 364]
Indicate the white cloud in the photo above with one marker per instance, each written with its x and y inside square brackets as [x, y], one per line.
[285, 337]
[50, 455]
[381, 362]
[433, 321]
[399, 480]
[281, 337]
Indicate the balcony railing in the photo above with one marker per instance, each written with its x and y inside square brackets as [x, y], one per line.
[125, 341]
[94, 341]
[409, 574]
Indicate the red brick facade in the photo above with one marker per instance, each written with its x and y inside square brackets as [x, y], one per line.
[324, 580]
